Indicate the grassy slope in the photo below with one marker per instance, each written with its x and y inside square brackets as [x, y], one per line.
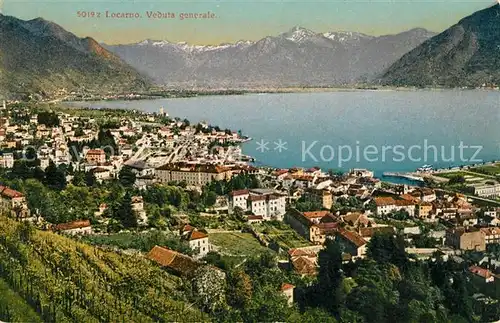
[72, 281]
[236, 243]
[18, 309]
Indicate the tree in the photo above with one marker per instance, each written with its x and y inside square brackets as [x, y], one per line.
[239, 292]
[55, 177]
[209, 286]
[78, 179]
[90, 178]
[209, 198]
[456, 179]
[125, 214]
[330, 276]
[127, 176]
[387, 248]
[50, 119]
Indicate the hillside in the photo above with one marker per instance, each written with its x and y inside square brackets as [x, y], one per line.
[298, 57]
[38, 56]
[466, 54]
[64, 280]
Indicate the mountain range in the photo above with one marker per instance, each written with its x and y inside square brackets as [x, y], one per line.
[466, 54]
[40, 57]
[299, 57]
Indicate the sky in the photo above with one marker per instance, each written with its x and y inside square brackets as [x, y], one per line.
[233, 20]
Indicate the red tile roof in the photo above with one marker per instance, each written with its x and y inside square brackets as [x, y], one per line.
[188, 228]
[96, 152]
[239, 192]
[254, 198]
[368, 232]
[405, 203]
[72, 225]
[384, 201]
[297, 252]
[10, 193]
[304, 266]
[286, 286]
[195, 235]
[485, 273]
[316, 214]
[353, 237]
[174, 260]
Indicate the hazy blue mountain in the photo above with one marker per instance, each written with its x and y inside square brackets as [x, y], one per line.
[298, 57]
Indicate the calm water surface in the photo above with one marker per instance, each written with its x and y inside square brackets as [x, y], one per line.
[338, 127]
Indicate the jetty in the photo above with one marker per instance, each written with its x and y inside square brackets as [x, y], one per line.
[410, 176]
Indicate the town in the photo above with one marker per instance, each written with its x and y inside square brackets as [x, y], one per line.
[184, 195]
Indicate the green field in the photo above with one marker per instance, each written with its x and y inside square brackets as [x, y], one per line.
[470, 177]
[237, 244]
[13, 308]
[491, 170]
[282, 234]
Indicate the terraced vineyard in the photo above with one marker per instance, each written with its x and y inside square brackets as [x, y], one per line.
[14, 308]
[63, 280]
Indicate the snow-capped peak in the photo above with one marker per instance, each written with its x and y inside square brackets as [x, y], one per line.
[298, 34]
[190, 48]
[345, 36]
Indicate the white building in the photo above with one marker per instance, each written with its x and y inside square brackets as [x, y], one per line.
[75, 228]
[198, 241]
[385, 205]
[487, 190]
[267, 203]
[7, 160]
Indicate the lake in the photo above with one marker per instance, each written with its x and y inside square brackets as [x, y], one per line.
[379, 130]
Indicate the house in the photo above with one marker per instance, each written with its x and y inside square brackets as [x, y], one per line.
[239, 199]
[192, 174]
[314, 226]
[481, 274]
[177, 262]
[7, 160]
[101, 173]
[138, 208]
[287, 290]
[485, 190]
[13, 203]
[255, 219]
[424, 209]
[198, 241]
[321, 196]
[385, 205]
[75, 227]
[352, 243]
[465, 238]
[427, 195]
[304, 261]
[491, 235]
[306, 224]
[368, 232]
[361, 173]
[357, 220]
[264, 202]
[95, 156]
[405, 205]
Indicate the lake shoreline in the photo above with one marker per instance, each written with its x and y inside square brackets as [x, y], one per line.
[187, 94]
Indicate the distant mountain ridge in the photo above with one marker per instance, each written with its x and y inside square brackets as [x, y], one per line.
[298, 57]
[466, 54]
[41, 57]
